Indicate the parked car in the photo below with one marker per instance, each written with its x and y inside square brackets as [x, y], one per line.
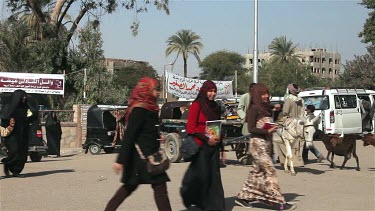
[101, 128]
[342, 109]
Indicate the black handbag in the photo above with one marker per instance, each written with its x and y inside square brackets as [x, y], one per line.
[156, 163]
[189, 148]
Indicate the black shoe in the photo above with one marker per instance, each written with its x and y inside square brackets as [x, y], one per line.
[242, 203]
[6, 170]
[287, 206]
[18, 175]
[222, 165]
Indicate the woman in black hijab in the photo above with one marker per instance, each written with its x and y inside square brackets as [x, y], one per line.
[53, 133]
[23, 110]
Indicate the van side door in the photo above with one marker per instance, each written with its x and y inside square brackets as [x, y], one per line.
[347, 116]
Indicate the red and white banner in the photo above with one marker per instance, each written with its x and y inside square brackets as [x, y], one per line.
[188, 88]
[32, 83]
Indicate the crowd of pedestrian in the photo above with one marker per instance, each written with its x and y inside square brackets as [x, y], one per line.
[140, 156]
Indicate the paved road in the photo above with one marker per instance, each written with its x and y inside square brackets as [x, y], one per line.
[86, 182]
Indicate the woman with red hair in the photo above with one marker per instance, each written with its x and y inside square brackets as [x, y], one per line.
[201, 185]
[261, 184]
[142, 129]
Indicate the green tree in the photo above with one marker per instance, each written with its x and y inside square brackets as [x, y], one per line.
[283, 50]
[278, 75]
[54, 26]
[360, 72]
[221, 65]
[368, 33]
[129, 76]
[101, 89]
[184, 42]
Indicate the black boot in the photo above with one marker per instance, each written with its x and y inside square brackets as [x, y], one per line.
[18, 175]
[6, 170]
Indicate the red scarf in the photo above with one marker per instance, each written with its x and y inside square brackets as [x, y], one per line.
[142, 96]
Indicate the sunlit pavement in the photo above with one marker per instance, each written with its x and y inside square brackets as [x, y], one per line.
[78, 181]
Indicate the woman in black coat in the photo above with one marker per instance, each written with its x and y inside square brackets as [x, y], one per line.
[142, 129]
[24, 110]
[53, 133]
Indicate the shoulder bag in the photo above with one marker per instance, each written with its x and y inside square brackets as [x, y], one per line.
[156, 163]
[189, 148]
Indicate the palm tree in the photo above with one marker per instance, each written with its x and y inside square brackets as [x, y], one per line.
[283, 50]
[184, 42]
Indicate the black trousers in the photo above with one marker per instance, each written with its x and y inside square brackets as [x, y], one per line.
[160, 196]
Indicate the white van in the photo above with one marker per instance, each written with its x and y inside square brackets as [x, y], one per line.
[342, 109]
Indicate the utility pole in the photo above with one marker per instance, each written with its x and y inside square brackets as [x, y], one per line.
[84, 85]
[255, 57]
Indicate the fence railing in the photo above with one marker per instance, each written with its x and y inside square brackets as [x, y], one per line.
[62, 115]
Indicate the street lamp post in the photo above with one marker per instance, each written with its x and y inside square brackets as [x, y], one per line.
[255, 57]
[165, 83]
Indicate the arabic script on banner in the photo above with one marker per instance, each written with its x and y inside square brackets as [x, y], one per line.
[32, 83]
[188, 88]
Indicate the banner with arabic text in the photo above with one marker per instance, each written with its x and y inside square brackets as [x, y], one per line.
[188, 88]
[32, 83]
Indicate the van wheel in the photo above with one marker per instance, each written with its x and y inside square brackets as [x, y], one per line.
[35, 157]
[94, 149]
[172, 147]
[109, 149]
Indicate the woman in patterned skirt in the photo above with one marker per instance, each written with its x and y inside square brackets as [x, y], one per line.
[261, 184]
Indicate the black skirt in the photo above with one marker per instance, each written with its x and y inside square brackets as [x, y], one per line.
[201, 185]
[136, 173]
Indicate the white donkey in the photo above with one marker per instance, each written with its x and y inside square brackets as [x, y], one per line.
[292, 131]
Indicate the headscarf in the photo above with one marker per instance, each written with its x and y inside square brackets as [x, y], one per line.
[208, 107]
[142, 96]
[256, 100]
[293, 89]
[15, 101]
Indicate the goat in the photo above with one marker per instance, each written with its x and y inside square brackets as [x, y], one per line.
[368, 139]
[345, 146]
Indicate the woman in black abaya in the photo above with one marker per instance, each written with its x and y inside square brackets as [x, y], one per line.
[53, 133]
[22, 109]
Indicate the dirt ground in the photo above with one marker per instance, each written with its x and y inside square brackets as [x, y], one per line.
[78, 181]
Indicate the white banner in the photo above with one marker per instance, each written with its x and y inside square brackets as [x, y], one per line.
[188, 88]
[32, 83]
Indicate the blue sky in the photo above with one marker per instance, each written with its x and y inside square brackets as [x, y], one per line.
[229, 25]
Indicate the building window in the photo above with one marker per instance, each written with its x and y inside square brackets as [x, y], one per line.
[323, 70]
[251, 61]
[311, 58]
[317, 70]
[330, 71]
[330, 60]
[336, 72]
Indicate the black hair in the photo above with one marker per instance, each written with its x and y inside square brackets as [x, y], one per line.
[251, 86]
[311, 108]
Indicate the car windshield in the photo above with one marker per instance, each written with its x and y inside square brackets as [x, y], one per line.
[320, 102]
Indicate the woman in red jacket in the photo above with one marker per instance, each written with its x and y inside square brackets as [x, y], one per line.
[201, 185]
